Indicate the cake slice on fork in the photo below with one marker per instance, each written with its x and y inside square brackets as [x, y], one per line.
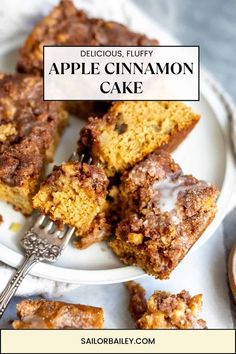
[75, 194]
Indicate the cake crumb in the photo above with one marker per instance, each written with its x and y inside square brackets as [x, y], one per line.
[138, 303]
[15, 227]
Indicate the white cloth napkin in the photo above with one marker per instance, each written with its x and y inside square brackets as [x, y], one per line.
[34, 285]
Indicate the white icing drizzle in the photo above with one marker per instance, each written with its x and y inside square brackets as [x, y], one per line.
[167, 191]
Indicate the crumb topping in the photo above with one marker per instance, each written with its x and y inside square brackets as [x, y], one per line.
[163, 214]
[165, 310]
[67, 25]
[27, 127]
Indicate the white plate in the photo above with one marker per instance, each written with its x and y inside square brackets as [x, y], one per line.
[206, 154]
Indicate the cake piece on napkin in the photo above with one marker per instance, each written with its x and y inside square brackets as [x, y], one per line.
[42, 314]
[163, 213]
[164, 310]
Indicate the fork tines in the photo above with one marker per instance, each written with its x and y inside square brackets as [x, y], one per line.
[45, 231]
[81, 158]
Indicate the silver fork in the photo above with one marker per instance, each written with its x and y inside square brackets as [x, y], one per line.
[42, 242]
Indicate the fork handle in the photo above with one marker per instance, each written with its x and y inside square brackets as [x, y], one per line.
[16, 280]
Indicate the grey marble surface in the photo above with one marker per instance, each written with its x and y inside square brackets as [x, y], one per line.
[208, 23]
